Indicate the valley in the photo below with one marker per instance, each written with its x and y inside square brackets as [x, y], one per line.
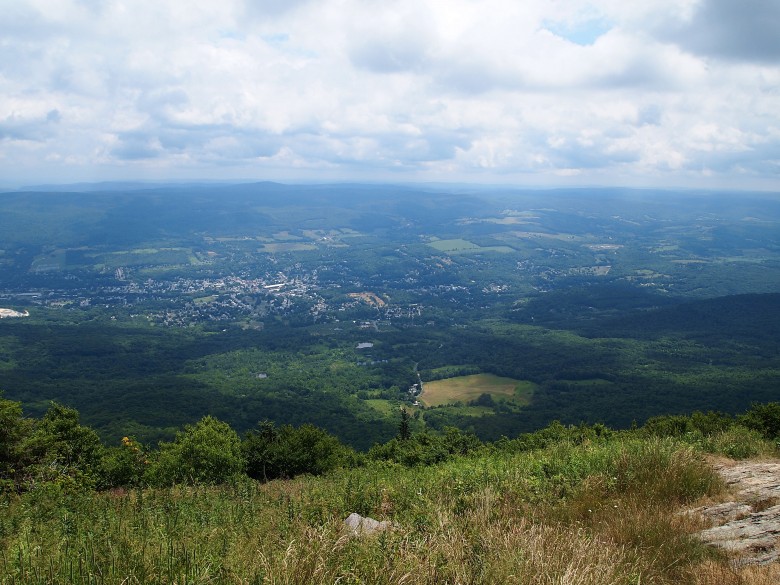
[152, 307]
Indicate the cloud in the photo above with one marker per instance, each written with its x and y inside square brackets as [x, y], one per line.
[270, 8]
[406, 89]
[36, 129]
[744, 30]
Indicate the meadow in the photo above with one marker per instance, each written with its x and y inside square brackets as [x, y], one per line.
[601, 512]
[461, 246]
[467, 388]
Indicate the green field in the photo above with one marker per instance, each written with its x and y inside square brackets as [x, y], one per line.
[386, 407]
[205, 300]
[461, 246]
[173, 256]
[287, 247]
[466, 388]
[47, 262]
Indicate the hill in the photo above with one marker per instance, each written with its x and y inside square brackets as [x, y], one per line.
[564, 504]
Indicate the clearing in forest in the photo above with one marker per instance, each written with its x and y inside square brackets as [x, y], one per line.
[460, 246]
[467, 388]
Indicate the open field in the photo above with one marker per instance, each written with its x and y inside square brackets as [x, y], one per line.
[173, 256]
[287, 247]
[466, 388]
[52, 261]
[205, 300]
[461, 246]
[564, 237]
[369, 298]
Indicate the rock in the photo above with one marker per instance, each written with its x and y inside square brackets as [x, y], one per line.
[757, 479]
[362, 526]
[749, 527]
[752, 539]
[721, 513]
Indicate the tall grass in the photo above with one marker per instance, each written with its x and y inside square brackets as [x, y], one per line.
[739, 442]
[587, 514]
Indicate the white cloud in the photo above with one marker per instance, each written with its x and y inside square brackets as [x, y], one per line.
[604, 91]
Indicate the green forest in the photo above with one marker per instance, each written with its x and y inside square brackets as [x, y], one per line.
[57, 449]
[146, 381]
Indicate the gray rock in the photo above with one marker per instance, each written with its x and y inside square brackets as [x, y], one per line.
[752, 539]
[362, 526]
[721, 513]
[749, 527]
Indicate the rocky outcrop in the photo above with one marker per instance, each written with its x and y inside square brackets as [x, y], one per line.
[748, 526]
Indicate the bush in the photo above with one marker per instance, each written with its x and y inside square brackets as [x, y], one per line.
[13, 428]
[60, 449]
[286, 451]
[668, 426]
[124, 466]
[426, 448]
[208, 452]
[764, 418]
[738, 443]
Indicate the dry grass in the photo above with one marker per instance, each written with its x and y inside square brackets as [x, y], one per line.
[465, 388]
[722, 573]
[567, 515]
[482, 546]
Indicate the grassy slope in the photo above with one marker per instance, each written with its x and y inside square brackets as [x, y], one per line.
[595, 513]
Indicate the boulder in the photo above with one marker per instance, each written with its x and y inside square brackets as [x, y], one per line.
[749, 526]
[362, 526]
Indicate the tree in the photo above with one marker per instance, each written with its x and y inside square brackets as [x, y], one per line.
[404, 433]
[286, 451]
[764, 418]
[13, 429]
[208, 452]
[124, 465]
[60, 449]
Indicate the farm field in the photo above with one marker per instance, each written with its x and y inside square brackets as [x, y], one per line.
[461, 246]
[467, 388]
[287, 247]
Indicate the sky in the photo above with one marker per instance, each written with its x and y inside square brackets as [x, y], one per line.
[661, 93]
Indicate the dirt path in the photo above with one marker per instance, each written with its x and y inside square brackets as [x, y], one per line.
[747, 526]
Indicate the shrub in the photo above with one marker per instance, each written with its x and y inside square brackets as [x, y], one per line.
[764, 418]
[738, 443]
[426, 448]
[668, 426]
[286, 451]
[124, 466]
[208, 452]
[13, 428]
[60, 449]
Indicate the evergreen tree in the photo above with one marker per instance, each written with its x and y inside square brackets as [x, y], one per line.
[404, 433]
